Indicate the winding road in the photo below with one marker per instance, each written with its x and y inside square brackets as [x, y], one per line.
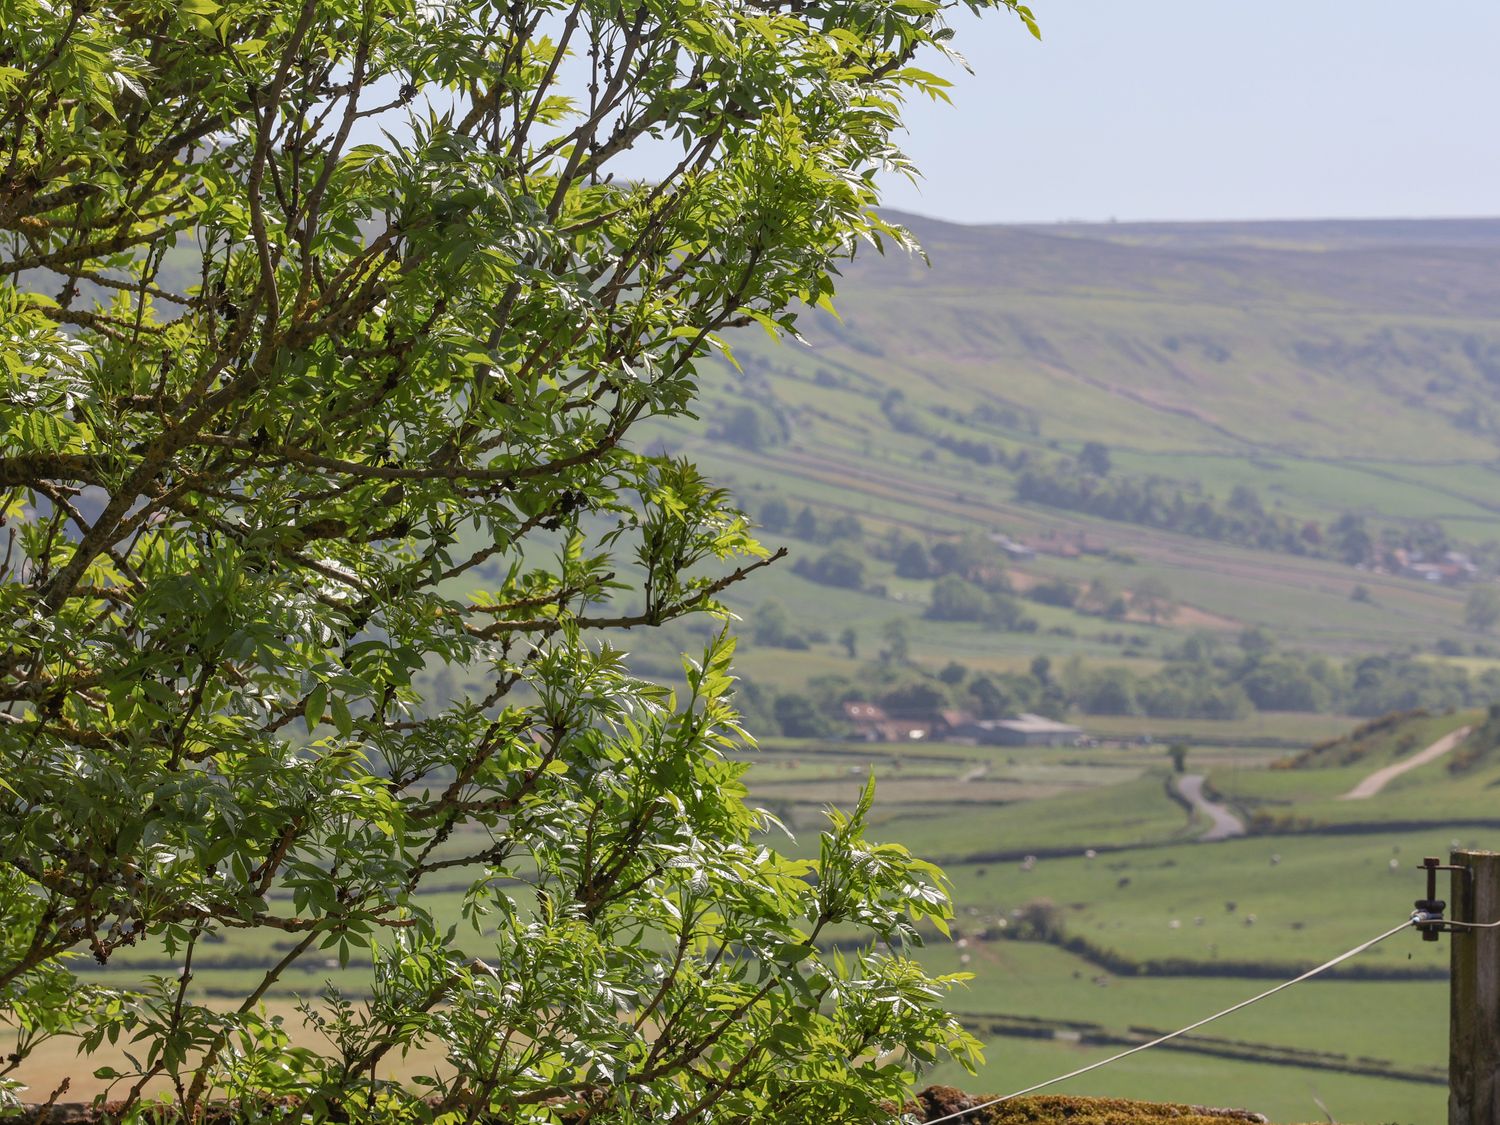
[1383, 777]
[1223, 824]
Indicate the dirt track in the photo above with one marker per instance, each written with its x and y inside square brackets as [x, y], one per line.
[1223, 824]
[1383, 777]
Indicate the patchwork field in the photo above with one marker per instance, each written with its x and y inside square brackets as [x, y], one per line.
[1076, 955]
[1322, 375]
[1318, 378]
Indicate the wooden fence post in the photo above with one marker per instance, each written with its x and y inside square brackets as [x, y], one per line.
[1474, 1020]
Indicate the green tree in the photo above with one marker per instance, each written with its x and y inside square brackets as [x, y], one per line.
[772, 625]
[1005, 612]
[837, 566]
[971, 557]
[798, 717]
[292, 413]
[746, 428]
[805, 526]
[912, 560]
[953, 673]
[1097, 597]
[956, 599]
[1055, 591]
[913, 699]
[1351, 538]
[1276, 682]
[849, 638]
[774, 514]
[897, 634]
[1482, 608]
[991, 700]
[846, 527]
[1153, 597]
[1257, 640]
[1094, 458]
[1107, 691]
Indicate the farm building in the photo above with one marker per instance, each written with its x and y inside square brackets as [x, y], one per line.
[1023, 730]
[872, 724]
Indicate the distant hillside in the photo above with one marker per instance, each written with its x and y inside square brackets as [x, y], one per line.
[1335, 339]
[1239, 410]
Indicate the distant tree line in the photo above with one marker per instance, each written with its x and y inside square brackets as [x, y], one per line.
[1155, 501]
[904, 691]
[908, 419]
[775, 514]
[1209, 679]
[1206, 677]
[1085, 483]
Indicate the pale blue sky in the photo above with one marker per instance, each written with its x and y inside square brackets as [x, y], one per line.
[1202, 109]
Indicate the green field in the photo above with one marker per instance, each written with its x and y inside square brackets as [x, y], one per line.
[1283, 902]
[1313, 370]
[1318, 370]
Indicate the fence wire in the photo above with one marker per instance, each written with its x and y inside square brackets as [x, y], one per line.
[1324, 967]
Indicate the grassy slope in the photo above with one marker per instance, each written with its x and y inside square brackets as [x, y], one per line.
[1320, 896]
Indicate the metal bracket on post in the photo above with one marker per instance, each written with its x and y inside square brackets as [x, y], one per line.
[1429, 913]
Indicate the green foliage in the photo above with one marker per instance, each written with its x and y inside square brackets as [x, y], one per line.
[797, 717]
[897, 636]
[1283, 682]
[1055, 591]
[912, 560]
[746, 427]
[1105, 691]
[836, 567]
[1158, 502]
[914, 698]
[1480, 746]
[290, 417]
[773, 626]
[971, 557]
[805, 526]
[774, 514]
[1153, 597]
[956, 599]
[1482, 608]
[1094, 458]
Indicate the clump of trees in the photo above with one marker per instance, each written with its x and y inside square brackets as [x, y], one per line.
[775, 514]
[1162, 503]
[751, 427]
[1205, 677]
[971, 557]
[1482, 608]
[958, 599]
[294, 416]
[910, 691]
[907, 419]
[836, 567]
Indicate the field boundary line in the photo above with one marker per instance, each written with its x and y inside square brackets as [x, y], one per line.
[1157, 1042]
[1238, 1050]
